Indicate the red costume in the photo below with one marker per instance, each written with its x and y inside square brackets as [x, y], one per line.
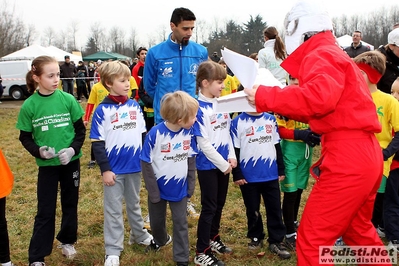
[333, 98]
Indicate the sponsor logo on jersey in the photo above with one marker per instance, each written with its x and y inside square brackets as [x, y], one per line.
[133, 115]
[269, 129]
[249, 131]
[114, 118]
[165, 147]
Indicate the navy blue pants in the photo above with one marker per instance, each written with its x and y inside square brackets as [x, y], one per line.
[68, 177]
[391, 206]
[213, 184]
[270, 192]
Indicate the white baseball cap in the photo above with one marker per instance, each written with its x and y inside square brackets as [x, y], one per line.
[393, 37]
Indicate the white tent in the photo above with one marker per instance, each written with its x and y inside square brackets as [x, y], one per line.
[35, 50]
[346, 40]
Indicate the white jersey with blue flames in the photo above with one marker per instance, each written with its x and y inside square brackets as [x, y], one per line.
[255, 136]
[168, 153]
[121, 127]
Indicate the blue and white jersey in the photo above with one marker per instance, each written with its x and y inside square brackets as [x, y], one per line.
[121, 127]
[168, 153]
[255, 136]
[216, 128]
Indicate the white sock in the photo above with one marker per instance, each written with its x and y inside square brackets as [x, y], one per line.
[6, 264]
[290, 235]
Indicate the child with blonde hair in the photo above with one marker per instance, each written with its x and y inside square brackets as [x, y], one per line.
[168, 164]
[117, 131]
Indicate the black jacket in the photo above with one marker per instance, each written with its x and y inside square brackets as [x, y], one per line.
[355, 51]
[68, 70]
[391, 71]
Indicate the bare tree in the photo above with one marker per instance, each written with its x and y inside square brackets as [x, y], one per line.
[12, 30]
[30, 34]
[49, 36]
[74, 28]
[98, 35]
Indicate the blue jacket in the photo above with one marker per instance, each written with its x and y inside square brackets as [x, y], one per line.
[171, 67]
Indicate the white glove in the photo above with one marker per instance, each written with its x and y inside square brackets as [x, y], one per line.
[47, 152]
[65, 155]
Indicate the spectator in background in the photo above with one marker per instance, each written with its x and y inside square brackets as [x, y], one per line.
[357, 46]
[273, 54]
[215, 57]
[254, 56]
[90, 72]
[81, 87]
[67, 73]
[142, 97]
[391, 52]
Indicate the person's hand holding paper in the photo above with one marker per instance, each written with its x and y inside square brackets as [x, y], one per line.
[248, 73]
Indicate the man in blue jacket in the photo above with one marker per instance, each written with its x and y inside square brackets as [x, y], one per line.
[172, 65]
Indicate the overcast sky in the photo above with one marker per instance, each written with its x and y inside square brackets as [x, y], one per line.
[147, 17]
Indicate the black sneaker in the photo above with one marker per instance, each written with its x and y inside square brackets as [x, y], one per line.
[296, 224]
[152, 247]
[182, 264]
[219, 247]
[280, 250]
[290, 243]
[255, 243]
[207, 259]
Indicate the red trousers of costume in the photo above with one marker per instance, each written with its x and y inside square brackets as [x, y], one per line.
[341, 203]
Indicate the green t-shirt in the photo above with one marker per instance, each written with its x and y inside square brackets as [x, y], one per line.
[50, 119]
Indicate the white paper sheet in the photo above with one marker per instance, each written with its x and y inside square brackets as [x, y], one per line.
[248, 73]
[235, 102]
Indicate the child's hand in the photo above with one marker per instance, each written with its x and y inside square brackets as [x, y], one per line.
[233, 163]
[240, 182]
[109, 178]
[228, 171]
[281, 177]
[47, 152]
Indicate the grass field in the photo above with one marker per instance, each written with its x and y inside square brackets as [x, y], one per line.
[21, 210]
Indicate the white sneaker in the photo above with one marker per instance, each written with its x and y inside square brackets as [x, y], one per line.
[380, 232]
[7, 263]
[38, 263]
[68, 250]
[191, 212]
[146, 241]
[111, 260]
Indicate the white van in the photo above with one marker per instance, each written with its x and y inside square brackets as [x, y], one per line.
[13, 74]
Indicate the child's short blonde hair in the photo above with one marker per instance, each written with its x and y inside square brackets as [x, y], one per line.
[372, 63]
[111, 70]
[178, 105]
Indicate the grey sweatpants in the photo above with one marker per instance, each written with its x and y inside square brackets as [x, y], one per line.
[157, 213]
[126, 187]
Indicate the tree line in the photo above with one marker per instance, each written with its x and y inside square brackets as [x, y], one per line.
[244, 38]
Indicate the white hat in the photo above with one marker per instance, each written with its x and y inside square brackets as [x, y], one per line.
[305, 16]
[393, 37]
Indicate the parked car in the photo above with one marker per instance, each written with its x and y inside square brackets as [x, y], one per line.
[13, 74]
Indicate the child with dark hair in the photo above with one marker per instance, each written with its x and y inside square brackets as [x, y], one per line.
[215, 160]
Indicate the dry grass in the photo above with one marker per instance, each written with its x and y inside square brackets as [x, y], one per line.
[21, 210]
